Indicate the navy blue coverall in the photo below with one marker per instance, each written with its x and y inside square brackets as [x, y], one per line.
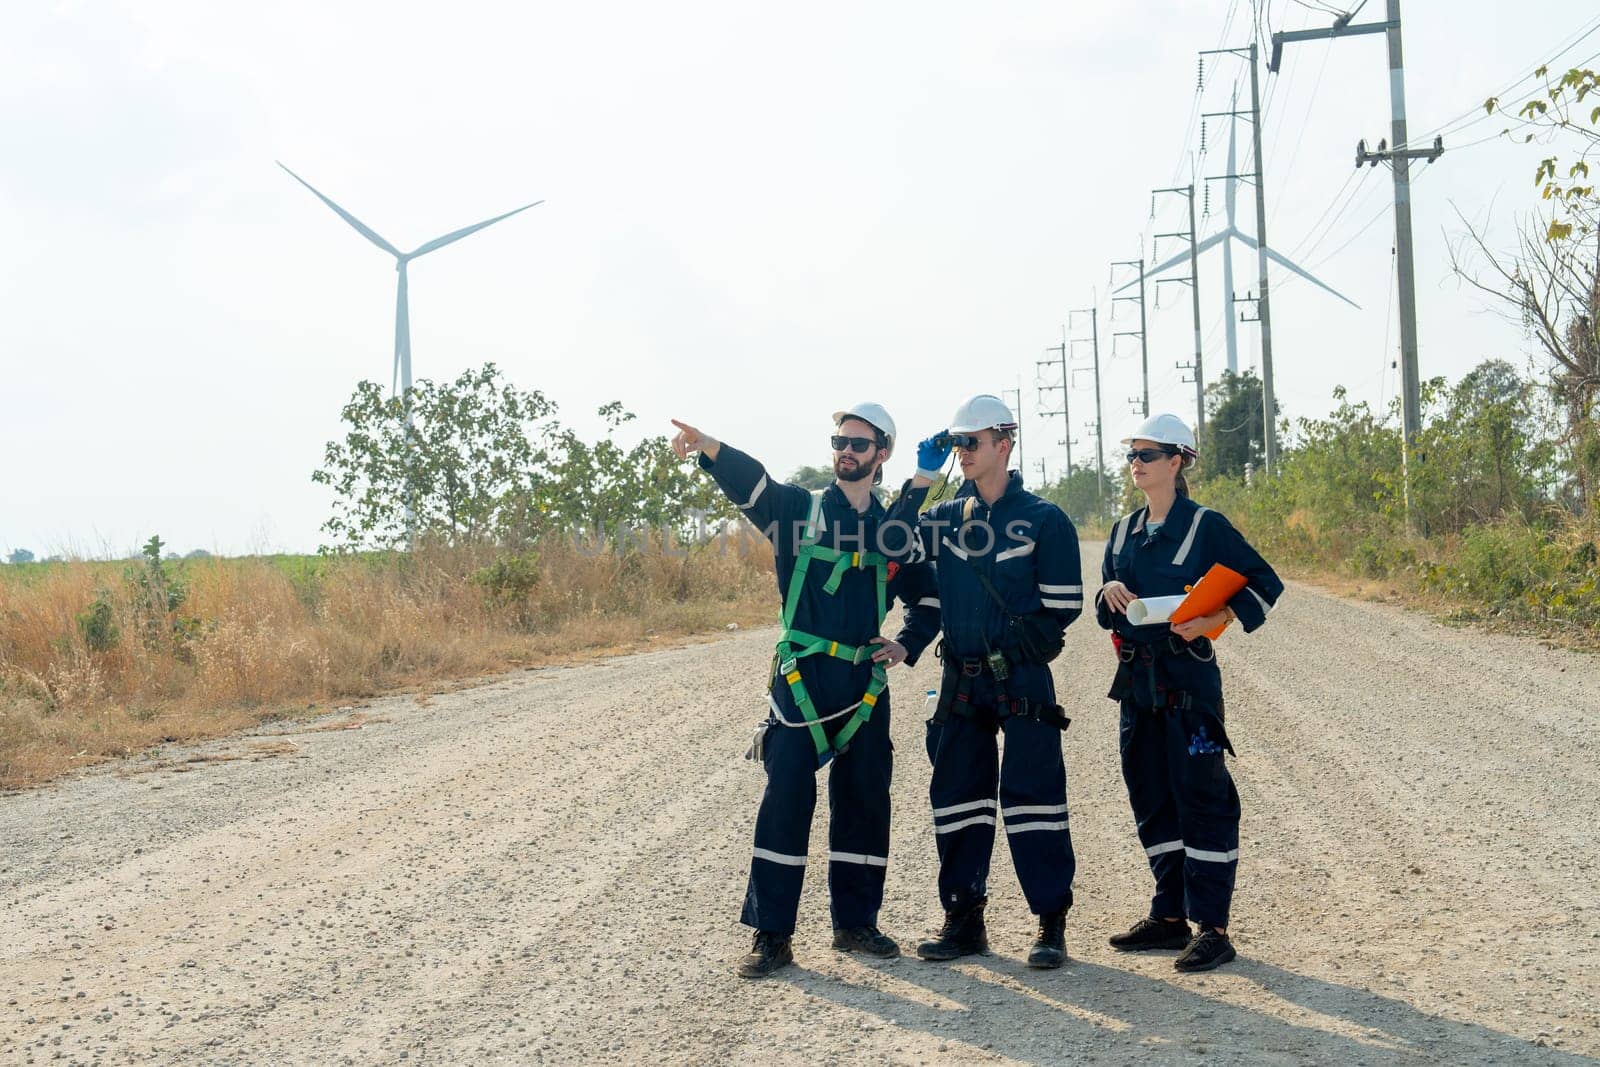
[858, 780]
[1172, 735]
[1028, 549]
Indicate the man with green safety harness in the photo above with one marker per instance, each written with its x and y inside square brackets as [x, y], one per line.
[840, 564]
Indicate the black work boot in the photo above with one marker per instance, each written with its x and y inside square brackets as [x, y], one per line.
[1050, 947]
[1152, 934]
[1209, 949]
[770, 951]
[865, 939]
[963, 934]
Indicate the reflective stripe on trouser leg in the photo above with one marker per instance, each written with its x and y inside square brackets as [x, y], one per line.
[783, 829]
[1143, 741]
[1033, 802]
[965, 772]
[1208, 814]
[858, 822]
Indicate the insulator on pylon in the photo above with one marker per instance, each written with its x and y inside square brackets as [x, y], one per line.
[1200, 77]
[1207, 211]
[1202, 136]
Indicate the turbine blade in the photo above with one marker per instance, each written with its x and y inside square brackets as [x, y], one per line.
[1211, 242]
[360, 227]
[1292, 268]
[1182, 257]
[450, 238]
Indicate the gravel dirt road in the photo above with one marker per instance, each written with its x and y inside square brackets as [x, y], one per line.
[548, 868]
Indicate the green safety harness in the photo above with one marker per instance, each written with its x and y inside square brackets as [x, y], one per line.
[794, 645]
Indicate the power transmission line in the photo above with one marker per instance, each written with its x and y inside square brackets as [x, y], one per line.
[1399, 160]
[1305, 120]
[1476, 114]
[1356, 175]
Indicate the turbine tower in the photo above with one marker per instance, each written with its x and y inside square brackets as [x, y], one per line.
[401, 380]
[1222, 237]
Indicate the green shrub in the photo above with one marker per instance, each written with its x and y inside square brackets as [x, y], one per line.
[98, 626]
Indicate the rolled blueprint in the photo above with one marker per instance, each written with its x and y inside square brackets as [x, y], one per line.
[1147, 611]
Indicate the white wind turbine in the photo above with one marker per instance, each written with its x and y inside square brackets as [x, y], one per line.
[401, 380]
[1225, 237]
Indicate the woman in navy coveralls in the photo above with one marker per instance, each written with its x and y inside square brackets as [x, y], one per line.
[1173, 739]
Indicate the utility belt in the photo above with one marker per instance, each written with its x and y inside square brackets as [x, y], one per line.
[961, 679]
[1136, 670]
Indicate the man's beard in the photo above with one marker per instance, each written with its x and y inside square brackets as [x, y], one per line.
[850, 474]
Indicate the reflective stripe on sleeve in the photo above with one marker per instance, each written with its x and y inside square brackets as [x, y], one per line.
[1043, 588]
[1061, 605]
[1265, 607]
[928, 602]
[761, 487]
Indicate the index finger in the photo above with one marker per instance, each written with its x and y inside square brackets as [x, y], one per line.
[684, 426]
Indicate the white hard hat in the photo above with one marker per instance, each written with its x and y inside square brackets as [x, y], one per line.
[982, 412]
[872, 414]
[1165, 430]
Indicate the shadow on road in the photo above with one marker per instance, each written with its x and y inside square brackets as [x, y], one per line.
[1000, 1005]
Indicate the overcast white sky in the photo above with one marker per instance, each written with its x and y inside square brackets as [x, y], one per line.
[755, 214]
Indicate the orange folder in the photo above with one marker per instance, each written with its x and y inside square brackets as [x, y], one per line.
[1210, 595]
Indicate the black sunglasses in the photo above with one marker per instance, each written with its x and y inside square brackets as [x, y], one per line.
[1149, 455]
[855, 444]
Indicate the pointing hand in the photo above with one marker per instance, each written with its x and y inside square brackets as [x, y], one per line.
[688, 439]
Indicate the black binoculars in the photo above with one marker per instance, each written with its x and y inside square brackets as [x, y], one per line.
[955, 440]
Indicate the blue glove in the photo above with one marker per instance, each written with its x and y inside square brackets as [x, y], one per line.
[931, 454]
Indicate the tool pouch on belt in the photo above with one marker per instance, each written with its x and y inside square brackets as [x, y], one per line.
[1037, 636]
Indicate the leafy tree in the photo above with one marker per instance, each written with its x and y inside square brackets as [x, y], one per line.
[487, 462]
[812, 477]
[20, 555]
[604, 487]
[1078, 493]
[1556, 116]
[1486, 456]
[1549, 283]
[1234, 437]
[475, 453]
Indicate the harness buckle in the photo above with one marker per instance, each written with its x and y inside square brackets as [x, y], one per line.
[998, 665]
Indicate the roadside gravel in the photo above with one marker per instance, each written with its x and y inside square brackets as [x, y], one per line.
[548, 868]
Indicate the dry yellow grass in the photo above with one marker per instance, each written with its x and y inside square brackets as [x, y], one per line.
[267, 640]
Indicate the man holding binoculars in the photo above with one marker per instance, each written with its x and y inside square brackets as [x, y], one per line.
[1010, 582]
